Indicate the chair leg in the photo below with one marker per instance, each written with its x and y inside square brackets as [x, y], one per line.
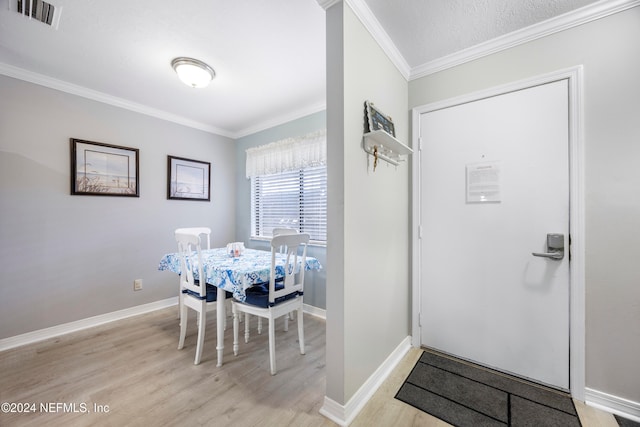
[259, 325]
[236, 325]
[272, 345]
[180, 296]
[286, 322]
[202, 317]
[183, 325]
[300, 331]
[246, 327]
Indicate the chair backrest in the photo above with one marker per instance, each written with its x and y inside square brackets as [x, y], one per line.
[189, 252]
[284, 230]
[278, 231]
[296, 254]
[198, 231]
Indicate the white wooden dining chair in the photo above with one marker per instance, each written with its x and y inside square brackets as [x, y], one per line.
[192, 295]
[277, 232]
[276, 299]
[203, 232]
[205, 236]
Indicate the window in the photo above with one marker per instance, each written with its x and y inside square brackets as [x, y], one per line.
[289, 185]
[295, 199]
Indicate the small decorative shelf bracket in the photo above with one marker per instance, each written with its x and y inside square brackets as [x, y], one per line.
[385, 147]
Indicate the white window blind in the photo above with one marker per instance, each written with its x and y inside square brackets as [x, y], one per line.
[289, 186]
[295, 199]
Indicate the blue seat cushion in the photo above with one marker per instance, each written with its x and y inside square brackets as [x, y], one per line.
[258, 294]
[212, 293]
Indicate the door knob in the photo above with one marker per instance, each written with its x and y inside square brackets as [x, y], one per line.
[555, 247]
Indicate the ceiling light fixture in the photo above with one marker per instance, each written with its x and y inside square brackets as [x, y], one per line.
[192, 72]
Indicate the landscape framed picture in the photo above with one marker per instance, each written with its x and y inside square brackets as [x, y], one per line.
[188, 179]
[99, 169]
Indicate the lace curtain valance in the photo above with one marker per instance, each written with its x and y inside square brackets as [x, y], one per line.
[288, 154]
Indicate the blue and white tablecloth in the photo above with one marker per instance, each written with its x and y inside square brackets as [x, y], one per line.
[234, 274]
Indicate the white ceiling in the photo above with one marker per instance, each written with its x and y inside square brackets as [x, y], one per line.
[269, 56]
[426, 30]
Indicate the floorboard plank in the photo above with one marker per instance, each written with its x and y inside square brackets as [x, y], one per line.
[134, 368]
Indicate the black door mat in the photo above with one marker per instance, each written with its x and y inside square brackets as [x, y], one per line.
[626, 422]
[466, 395]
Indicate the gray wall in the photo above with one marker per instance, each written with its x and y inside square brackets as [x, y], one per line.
[608, 48]
[315, 282]
[368, 249]
[66, 258]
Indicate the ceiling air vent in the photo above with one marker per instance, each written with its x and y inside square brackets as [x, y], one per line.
[38, 10]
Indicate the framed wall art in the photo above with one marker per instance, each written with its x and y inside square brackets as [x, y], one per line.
[378, 121]
[188, 179]
[99, 169]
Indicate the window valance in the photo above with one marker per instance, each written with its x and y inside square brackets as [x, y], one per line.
[288, 154]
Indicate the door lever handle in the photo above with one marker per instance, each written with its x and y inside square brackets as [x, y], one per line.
[555, 247]
[553, 255]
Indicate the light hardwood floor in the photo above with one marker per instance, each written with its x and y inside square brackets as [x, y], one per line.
[133, 367]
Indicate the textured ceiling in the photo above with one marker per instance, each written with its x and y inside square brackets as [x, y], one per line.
[269, 56]
[426, 30]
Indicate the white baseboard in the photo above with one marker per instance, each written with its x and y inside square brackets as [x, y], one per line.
[614, 404]
[344, 415]
[78, 325]
[314, 311]
[54, 331]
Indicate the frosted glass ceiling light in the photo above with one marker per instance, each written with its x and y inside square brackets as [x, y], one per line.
[192, 72]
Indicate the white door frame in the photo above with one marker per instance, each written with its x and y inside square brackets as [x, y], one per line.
[574, 75]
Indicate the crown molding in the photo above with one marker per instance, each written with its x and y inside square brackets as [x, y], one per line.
[562, 22]
[280, 120]
[586, 14]
[46, 81]
[326, 4]
[371, 23]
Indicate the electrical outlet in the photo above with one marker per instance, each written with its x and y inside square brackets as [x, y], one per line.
[137, 285]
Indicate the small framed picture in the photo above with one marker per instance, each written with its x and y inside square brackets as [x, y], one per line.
[188, 179]
[99, 169]
[378, 121]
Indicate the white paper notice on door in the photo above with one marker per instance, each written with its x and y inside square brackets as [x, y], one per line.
[483, 182]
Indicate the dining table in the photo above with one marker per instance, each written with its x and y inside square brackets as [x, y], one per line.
[233, 274]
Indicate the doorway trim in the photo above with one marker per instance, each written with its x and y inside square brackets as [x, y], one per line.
[574, 76]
